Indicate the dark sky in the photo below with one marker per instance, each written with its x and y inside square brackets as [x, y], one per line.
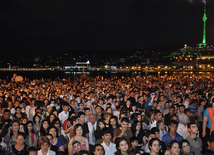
[38, 27]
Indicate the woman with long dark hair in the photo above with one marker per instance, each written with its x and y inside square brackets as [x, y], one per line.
[44, 128]
[137, 131]
[31, 139]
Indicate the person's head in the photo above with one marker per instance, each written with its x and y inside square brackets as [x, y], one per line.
[92, 118]
[31, 151]
[174, 117]
[6, 114]
[185, 146]
[156, 131]
[50, 137]
[149, 135]
[53, 131]
[154, 145]
[124, 122]
[136, 126]
[87, 111]
[83, 152]
[174, 147]
[100, 125]
[77, 146]
[81, 117]
[99, 149]
[166, 152]
[134, 142]
[192, 127]
[173, 126]
[158, 115]
[113, 122]
[36, 119]
[15, 126]
[74, 120]
[160, 125]
[51, 117]
[210, 142]
[181, 108]
[21, 138]
[106, 134]
[22, 128]
[122, 145]
[45, 124]
[29, 126]
[78, 130]
[98, 109]
[56, 123]
[44, 143]
[188, 112]
[171, 110]
[81, 106]
[65, 106]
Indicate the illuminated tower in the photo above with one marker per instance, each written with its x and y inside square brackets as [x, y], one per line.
[204, 30]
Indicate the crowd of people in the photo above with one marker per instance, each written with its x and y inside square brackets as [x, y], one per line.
[167, 115]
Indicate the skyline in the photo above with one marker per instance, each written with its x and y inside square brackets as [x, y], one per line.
[42, 27]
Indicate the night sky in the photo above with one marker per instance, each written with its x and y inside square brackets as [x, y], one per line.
[38, 27]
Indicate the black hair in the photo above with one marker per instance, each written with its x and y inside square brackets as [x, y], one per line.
[132, 139]
[183, 141]
[171, 143]
[53, 127]
[191, 123]
[34, 118]
[29, 122]
[155, 129]
[30, 149]
[80, 113]
[125, 119]
[83, 152]
[74, 142]
[173, 122]
[152, 140]
[76, 127]
[42, 130]
[106, 130]
[150, 133]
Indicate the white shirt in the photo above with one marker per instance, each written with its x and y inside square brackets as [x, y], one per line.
[63, 116]
[109, 150]
[153, 124]
[49, 152]
[90, 128]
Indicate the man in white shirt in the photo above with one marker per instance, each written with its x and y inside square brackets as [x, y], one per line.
[64, 114]
[92, 125]
[109, 147]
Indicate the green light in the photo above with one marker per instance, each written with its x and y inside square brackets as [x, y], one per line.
[204, 29]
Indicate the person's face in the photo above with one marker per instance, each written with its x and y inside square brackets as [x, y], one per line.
[101, 125]
[99, 150]
[92, 119]
[185, 148]
[173, 128]
[124, 125]
[55, 113]
[65, 108]
[82, 119]
[20, 140]
[171, 111]
[158, 116]
[194, 128]
[21, 128]
[113, 122]
[150, 137]
[98, 110]
[15, 127]
[162, 127]
[50, 138]
[107, 137]
[53, 132]
[45, 125]
[138, 126]
[77, 147]
[109, 111]
[52, 117]
[37, 119]
[175, 150]
[18, 111]
[7, 115]
[79, 131]
[181, 109]
[123, 146]
[135, 143]
[30, 127]
[87, 112]
[155, 146]
[44, 147]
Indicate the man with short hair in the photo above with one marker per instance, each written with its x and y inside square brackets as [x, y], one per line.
[92, 125]
[158, 117]
[195, 142]
[149, 135]
[109, 147]
[124, 130]
[172, 134]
